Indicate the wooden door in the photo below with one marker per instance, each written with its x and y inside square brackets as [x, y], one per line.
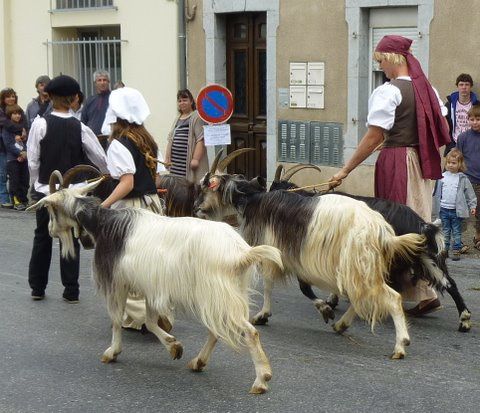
[247, 80]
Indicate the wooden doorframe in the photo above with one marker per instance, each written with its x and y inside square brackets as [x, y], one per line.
[246, 80]
[215, 59]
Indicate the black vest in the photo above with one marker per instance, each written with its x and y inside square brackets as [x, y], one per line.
[143, 183]
[61, 148]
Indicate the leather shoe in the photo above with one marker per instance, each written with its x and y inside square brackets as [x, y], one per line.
[420, 310]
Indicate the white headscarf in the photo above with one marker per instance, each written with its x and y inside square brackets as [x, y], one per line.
[128, 104]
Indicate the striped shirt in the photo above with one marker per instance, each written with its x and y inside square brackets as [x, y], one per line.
[180, 148]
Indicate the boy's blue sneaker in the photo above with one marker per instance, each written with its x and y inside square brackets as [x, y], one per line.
[7, 205]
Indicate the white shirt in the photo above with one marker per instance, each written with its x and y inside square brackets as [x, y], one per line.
[90, 143]
[120, 160]
[384, 101]
[77, 113]
[449, 190]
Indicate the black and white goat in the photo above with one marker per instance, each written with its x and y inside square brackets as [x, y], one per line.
[180, 263]
[335, 243]
[431, 267]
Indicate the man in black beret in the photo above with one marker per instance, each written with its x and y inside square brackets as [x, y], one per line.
[57, 141]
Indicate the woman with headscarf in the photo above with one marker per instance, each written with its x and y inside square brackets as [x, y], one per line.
[406, 119]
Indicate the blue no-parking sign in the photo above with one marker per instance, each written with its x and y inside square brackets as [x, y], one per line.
[215, 104]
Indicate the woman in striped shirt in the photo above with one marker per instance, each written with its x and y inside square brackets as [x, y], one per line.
[186, 148]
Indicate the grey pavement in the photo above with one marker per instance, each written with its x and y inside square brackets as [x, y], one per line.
[50, 353]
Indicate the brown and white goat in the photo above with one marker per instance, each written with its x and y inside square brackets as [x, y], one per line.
[175, 263]
[335, 243]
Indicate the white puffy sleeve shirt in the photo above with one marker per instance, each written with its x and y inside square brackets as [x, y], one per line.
[120, 160]
[384, 101]
[91, 146]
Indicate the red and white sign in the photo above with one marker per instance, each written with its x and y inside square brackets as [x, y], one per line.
[215, 104]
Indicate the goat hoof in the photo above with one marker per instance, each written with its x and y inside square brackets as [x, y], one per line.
[108, 358]
[464, 327]
[176, 350]
[339, 327]
[398, 355]
[465, 323]
[261, 319]
[109, 355]
[259, 389]
[196, 365]
[327, 312]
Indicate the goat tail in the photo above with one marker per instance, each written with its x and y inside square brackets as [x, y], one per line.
[408, 247]
[222, 302]
[368, 269]
[269, 258]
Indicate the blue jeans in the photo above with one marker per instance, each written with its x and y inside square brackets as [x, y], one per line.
[4, 196]
[452, 225]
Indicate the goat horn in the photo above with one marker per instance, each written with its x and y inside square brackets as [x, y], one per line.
[294, 169]
[215, 161]
[55, 177]
[278, 173]
[72, 172]
[222, 165]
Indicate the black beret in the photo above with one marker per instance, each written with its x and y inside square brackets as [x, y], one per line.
[62, 86]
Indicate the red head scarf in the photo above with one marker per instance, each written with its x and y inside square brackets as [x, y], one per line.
[432, 128]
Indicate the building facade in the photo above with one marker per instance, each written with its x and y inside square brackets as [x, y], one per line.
[301, 71]
[137, 42]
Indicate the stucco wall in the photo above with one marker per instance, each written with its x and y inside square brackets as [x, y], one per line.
[27, 27]
[313, 31]
[149, 57]
[453, 47]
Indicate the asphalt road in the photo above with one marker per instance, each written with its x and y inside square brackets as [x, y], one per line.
[50, 354]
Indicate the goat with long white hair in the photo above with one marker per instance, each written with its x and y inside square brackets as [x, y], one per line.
[180, 263]
[333, 242]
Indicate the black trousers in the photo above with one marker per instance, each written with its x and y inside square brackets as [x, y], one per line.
[18, 180]
[42, 255]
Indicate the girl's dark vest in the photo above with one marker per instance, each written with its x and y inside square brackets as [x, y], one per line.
[61, 148]
[143, 183]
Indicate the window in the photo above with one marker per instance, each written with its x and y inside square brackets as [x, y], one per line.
[93, 50]
[82, 4]
[400, 21]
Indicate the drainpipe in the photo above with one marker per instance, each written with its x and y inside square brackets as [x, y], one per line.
[182, 45]
[184, 16]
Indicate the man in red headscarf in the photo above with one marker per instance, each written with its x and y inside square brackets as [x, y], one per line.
[406, 119]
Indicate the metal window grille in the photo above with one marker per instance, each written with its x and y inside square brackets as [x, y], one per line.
[82, 4]
[80, 58]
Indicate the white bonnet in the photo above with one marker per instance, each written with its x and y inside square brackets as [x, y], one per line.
[128, 104]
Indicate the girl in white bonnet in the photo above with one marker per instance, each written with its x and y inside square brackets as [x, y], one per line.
[132, 160]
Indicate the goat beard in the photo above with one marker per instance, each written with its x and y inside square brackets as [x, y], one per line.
[67, 246]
